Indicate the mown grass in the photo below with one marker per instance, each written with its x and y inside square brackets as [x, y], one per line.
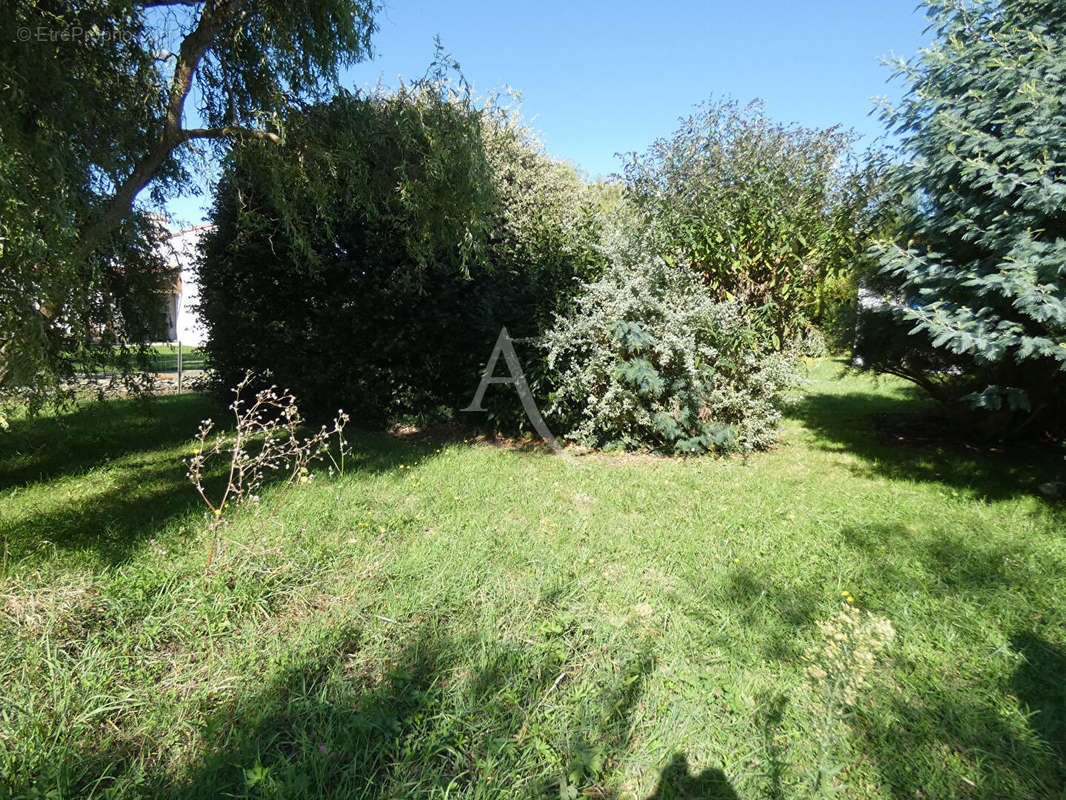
[164, 358]
[462, 620]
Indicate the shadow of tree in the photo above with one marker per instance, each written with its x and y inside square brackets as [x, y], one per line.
[958, 747]
[146, 486]
[957, 732]
[769, 612]
[847, 422]
[891, 557]
[433, 718]
[47, 447]
[111, 525]
[1040, 683]
[771, 714]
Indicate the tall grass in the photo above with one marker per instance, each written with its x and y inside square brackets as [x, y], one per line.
[455, 619]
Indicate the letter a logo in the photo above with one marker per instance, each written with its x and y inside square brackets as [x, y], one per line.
[505, 346]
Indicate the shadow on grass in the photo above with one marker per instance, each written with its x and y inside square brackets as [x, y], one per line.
[134, 485]
[958, 564]
[854, 422]
[110, 525]
[45, 448]
[434, 719]
[958, 745]
[770, 615]
[770, 716]
[678, 783]
[895, 558]
[959, 733]
[1040, 684]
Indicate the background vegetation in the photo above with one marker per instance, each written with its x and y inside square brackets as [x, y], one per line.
[769, 214]
[444, 220]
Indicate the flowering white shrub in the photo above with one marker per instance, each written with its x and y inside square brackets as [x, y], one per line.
[647, 359]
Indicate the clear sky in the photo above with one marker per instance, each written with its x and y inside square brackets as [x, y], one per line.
[599, 78]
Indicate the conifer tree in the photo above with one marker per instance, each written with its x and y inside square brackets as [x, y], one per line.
[981, 262]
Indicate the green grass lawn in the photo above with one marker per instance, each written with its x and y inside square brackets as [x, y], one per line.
[458, 620]
[161, 358]
[164, 358]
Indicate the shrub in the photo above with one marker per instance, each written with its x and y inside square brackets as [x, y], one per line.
[647, 359]
[416, 225]
[766, 213]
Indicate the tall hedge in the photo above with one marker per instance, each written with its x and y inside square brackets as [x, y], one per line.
[372, 263]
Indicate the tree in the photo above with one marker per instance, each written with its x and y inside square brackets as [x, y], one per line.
[765, 212]
[980, 265]
[95, 99]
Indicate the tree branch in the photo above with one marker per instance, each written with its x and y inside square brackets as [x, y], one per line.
[158, 3]
[213, 18]
[228, 131]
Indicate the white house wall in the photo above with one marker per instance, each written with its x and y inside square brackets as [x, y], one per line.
[180, 250]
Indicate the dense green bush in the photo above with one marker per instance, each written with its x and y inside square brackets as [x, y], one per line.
[414, 226]
[648, 359]
[980, 264]
[768, 214]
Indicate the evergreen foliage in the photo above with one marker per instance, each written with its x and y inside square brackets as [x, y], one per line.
[413, 225]
[648, 359]
[981, 263]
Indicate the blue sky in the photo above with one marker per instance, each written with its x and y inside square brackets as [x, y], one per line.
[600, 78]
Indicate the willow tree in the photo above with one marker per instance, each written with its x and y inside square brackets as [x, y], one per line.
[103, 100]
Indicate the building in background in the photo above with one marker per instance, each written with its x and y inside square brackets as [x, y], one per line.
[180, 249]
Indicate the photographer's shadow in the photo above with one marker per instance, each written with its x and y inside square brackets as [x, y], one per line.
[677, 783]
